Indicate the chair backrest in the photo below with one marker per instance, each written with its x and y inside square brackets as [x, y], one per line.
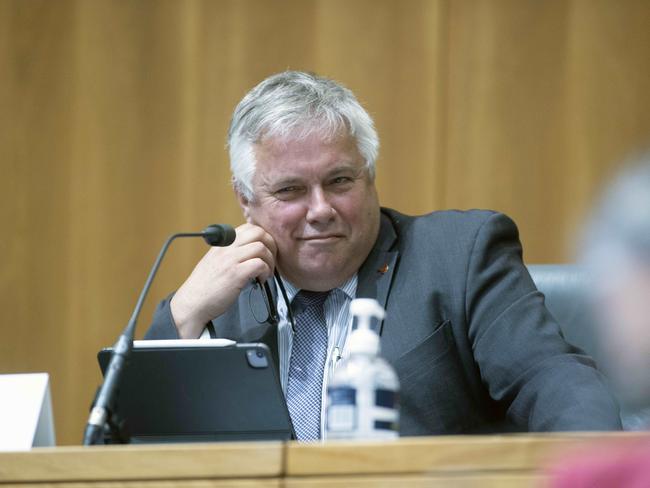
[565, 287]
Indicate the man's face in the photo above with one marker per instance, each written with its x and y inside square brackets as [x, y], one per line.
[316, 199]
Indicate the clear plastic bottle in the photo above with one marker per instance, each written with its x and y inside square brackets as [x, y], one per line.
[363, 394]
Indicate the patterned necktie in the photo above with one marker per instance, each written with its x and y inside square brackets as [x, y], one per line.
[307, 365]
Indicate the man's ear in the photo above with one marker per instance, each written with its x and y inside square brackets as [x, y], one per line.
[244, 203]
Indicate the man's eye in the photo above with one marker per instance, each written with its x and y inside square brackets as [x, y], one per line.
[287, 192]
[341, 179]
[341, 183]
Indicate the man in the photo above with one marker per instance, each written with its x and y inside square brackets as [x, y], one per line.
[616, 253]
[467, 332]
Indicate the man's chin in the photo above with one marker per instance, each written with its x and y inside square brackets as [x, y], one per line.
[323, 277]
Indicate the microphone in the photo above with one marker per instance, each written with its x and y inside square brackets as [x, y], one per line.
[100, 414]
[219, 235]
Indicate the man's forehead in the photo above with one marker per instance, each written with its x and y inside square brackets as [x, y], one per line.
[308, 154]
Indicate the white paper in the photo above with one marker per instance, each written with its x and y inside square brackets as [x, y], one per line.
[25, 412]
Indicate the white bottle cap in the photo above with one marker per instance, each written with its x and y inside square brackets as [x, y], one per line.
[368, 307]
[364, 340]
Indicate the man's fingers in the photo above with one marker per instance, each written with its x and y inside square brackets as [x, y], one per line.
[256, 268]
[219, 277]
[256, 250]
[247, 233]
[227, 261]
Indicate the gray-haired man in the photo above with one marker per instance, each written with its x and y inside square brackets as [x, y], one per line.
[466, 330]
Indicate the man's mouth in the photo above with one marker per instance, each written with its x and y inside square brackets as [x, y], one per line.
[323, 238]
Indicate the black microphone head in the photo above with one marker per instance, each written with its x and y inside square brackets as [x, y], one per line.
[219, 234]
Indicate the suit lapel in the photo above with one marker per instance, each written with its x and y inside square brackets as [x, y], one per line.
[376, 273]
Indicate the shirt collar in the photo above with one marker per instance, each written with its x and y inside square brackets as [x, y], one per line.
[349, 288]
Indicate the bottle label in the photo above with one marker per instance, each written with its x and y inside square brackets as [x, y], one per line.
[341, 410]
[363, 413]
[385, 398]
[385, 411]
[384, 425]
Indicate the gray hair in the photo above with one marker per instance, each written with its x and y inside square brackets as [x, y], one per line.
[295, 104]
[618, 234]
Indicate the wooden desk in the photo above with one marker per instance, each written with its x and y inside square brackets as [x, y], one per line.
[258, 464]
[485, 461]
[503, 461]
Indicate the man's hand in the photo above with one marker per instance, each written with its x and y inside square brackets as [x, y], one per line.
[220, 276]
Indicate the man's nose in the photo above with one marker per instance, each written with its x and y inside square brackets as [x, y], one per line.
[320, 209]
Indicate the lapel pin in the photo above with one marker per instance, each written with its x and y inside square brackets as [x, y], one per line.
[383, 269]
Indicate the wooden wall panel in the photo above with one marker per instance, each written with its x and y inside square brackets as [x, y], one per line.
[113, 118]
[544, 100]
[506, 139]
[35, 150]
[608, 96]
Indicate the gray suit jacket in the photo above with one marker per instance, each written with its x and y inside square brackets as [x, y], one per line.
[473, 345]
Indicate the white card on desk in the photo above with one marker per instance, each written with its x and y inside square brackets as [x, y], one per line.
[26, 418]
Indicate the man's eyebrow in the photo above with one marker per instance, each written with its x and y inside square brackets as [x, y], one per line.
[345, 168]
[346, 165]
[337, 169]
[288, 181]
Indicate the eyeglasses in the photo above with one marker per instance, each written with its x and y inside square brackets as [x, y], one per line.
[267, 297]
[264, 289]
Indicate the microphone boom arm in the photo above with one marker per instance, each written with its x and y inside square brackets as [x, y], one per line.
[215, 235]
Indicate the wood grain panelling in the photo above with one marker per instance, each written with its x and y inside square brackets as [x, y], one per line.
[506, 115]
[608, 96]
[113, 118]
[35, 154]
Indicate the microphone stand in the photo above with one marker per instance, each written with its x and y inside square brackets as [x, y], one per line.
[101, 413]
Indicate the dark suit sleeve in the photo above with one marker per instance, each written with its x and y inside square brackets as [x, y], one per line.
[162, 325]
[544, 383]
